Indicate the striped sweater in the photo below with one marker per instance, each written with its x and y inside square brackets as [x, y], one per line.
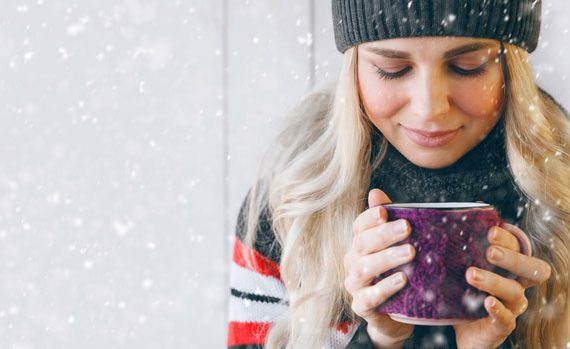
[258, 295]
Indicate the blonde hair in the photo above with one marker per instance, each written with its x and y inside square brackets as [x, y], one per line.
[538, 149]
[315, 178]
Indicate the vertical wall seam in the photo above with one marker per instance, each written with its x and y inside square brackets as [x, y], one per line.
[225, 152]
[312, 50]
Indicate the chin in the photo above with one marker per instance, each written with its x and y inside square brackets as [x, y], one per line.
[433, 161]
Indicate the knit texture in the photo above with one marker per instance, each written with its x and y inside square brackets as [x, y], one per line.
[511, 21]
[447, 243]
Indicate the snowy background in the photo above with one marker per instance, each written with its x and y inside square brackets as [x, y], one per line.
[129, 135]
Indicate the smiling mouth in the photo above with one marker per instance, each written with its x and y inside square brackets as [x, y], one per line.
[430, 139]
[431, 133]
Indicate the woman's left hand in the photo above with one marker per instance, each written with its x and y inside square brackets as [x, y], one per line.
[507, 299]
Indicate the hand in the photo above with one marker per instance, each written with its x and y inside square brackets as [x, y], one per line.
[370, 255]
[507, 300]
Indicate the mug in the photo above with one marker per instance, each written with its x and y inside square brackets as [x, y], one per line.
[449, 237]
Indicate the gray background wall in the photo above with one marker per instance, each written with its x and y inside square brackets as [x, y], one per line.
[129, 134]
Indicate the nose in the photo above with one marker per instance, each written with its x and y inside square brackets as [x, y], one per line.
[430, 96]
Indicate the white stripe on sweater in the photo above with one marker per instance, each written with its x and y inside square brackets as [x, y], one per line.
[245, 280]
[338, 339]
[245, 310]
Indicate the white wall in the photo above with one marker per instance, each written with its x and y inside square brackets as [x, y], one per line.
[129, 135]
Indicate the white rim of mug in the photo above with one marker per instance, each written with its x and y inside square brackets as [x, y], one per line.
[440, 205]
[427, 322]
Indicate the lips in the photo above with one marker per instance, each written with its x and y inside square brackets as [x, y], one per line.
[430, 139]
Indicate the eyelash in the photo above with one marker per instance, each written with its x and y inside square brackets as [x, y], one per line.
[467, 73]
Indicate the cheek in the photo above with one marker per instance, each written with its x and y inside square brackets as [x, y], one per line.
[481, 99]
[380, 99]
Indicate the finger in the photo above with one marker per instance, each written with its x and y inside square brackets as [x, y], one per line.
[366, 300]
[504, 322]
[532, 270]
[381, 237]
[370, 218]
[377, 197]
[502, 237]
[523, 240]
[373, 216]
[376, 239]
[349, 259]
[509, 291]
[368, 267]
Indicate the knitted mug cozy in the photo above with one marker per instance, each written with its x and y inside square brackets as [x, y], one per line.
[448, 238]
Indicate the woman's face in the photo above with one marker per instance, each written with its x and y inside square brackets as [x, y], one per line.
[433, 98]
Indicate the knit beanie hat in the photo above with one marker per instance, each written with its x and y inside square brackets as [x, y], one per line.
[511, 21]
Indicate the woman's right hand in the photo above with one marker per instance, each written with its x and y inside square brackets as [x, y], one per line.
[371, 254]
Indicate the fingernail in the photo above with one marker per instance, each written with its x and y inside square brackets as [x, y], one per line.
[492, 303]
[405, 251]
[476, 275]
[494, 234]
[497, 254]
[377, 212]
[401, 228]
[398, 279]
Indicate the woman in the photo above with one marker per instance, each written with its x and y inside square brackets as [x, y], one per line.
[435, 102]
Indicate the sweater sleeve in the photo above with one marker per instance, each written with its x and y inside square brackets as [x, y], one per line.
[257, 294]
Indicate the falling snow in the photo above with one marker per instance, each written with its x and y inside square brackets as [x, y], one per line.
[77, 27]
[130, 134]
[472, 301]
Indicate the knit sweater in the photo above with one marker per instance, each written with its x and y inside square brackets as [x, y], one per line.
[258, 295]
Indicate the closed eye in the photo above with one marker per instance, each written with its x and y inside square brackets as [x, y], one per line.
[468, 72]
[392, 75]
[452, 67]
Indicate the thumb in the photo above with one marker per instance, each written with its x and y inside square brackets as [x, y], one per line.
[377, 197]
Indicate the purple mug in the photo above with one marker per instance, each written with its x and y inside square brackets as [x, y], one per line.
[448, 237]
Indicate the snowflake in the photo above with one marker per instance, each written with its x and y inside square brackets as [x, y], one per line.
[472, 302]
[439, 339]
[429, 296]
[532, 107]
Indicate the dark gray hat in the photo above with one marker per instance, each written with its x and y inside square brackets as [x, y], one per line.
[511, 21]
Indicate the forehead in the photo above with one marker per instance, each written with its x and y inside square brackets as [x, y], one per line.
[430, 47]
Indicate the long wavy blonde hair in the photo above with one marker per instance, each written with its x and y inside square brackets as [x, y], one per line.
[314, 180]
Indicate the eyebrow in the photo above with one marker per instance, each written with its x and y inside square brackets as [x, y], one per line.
[449, 54]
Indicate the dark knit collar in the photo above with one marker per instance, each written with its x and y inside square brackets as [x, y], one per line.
[482, 174]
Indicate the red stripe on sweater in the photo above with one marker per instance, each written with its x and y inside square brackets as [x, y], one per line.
[260, 263]
[344, 326]
[241, 333]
